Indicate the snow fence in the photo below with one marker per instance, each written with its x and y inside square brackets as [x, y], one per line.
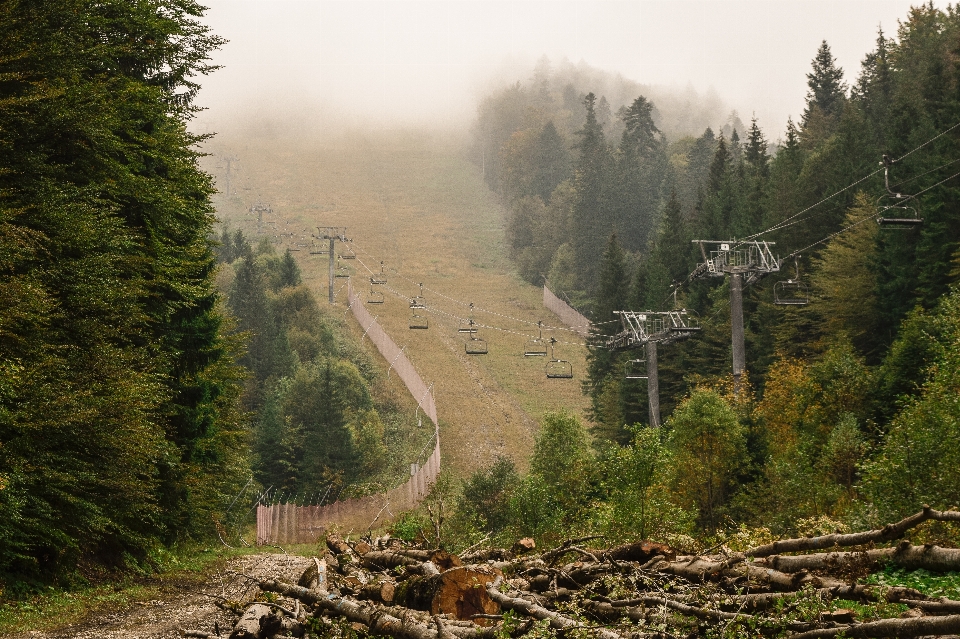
[567, 314]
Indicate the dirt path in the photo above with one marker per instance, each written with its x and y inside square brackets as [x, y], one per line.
[184, 608]
[412, 200]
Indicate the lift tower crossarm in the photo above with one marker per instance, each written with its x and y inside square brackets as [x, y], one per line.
[646, 330]
[733, 256]
[641, 328]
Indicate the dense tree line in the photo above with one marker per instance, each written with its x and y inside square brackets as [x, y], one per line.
[324, 424]
[846, 411]
[119, 420]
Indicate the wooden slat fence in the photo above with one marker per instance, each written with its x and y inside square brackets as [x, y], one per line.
[567, 314]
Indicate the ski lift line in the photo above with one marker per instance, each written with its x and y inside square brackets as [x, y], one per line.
[846, 228]
[467, 304]
[872, 216]
[496, 328]
[907, 181]
[779, 225]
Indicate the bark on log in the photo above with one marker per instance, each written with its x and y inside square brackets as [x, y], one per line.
[459, 592]
[315, 576]
[910, 627]
[388, 559]
[941, 607]
[487, 554]
[338, 546]
[693, 568]
[557, 620]
[641, 552]
[381, 590]
[638, 609]
[375, 617]
[889, 532]
[763, 600]
[929, 557]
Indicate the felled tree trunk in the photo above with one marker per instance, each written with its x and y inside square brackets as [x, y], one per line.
[459, 592]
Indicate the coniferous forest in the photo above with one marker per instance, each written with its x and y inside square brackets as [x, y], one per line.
[120, 426]
[155, 365]
[847, 411]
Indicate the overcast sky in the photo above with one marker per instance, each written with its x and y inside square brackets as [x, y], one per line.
[403, 61]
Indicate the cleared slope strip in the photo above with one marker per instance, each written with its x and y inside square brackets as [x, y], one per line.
[413, 201]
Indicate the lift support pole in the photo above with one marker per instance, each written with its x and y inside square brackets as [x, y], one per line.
[330, 278]
[646, 329]
[736, 324]
[751, 259]
[653, 384]
[331, 233]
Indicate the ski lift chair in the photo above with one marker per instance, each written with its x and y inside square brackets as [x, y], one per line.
[419, 322]
[536, 347]
[468, 325]
[791, 292]
[635, 369]
[557, 368]
[349, 254]
[418, 301]
[906, 216]
[475, 345]
[342, 271]
[375, 297]
[379, 279]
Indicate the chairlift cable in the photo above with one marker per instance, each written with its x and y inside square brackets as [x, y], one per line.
[467, 304]
[790, 221]
[870, 217]
[780, 224]
[908, 180]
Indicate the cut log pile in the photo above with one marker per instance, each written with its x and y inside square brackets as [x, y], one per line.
[799, 588]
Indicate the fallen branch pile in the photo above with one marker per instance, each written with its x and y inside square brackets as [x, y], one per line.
[644, 589]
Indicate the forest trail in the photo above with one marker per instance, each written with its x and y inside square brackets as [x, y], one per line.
[412, 200]
[186, 605]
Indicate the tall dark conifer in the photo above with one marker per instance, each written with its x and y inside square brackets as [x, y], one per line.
[590, 223]
[603, 380]
[827, 90]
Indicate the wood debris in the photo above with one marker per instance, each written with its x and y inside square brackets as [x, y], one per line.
[383, 587]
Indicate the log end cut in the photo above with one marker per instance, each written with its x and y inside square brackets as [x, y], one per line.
[463, 593]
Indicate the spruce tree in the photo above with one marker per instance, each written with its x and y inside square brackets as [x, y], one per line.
[827, 91]
[123, 423]
[589, 215]
[613, 289]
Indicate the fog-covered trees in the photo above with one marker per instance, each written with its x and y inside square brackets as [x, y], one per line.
[841, 389]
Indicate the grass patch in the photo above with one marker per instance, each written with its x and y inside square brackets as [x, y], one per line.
[931, 584]
[176, 570]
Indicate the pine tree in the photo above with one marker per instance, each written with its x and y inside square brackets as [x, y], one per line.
[590, 223]
[756, 151]
[827, 92]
